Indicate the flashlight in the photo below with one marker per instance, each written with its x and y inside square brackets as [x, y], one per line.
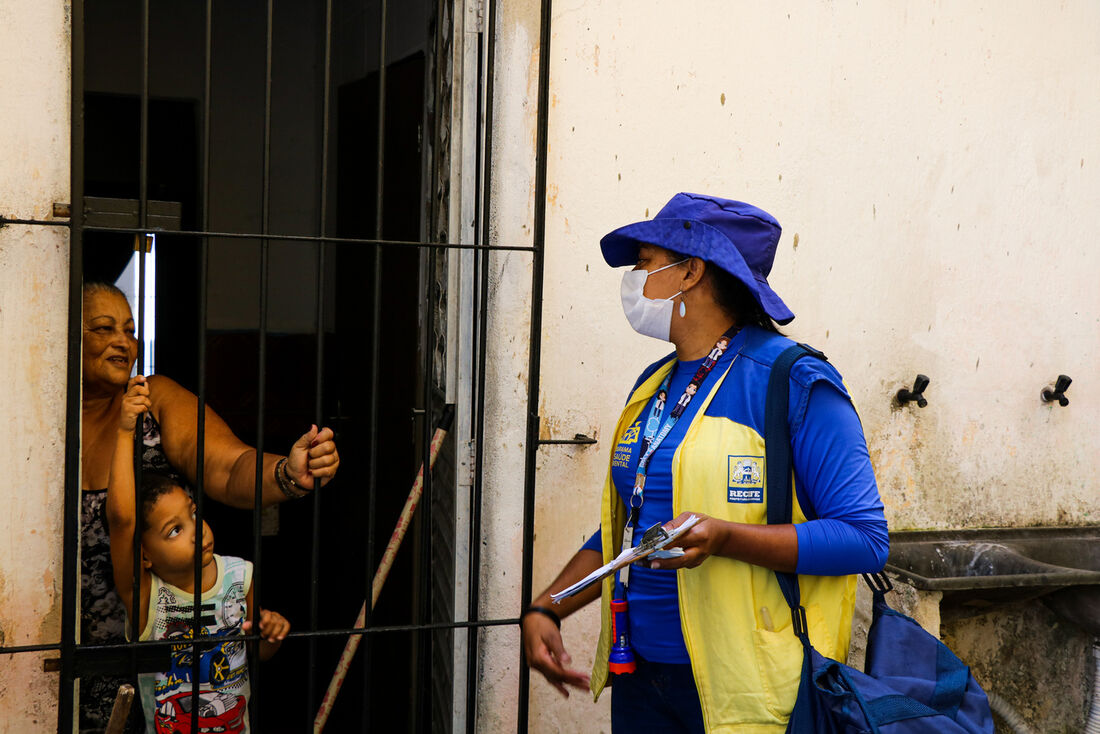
[621, 659]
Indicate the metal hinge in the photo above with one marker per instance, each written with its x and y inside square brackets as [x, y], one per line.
[471, 462]
[477, 14]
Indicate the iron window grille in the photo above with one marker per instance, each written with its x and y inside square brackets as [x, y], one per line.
[146, 216]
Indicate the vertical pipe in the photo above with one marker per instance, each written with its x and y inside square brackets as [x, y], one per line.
[315, 553]
[539, 241]
[375, 359]
[485, 192]
[70, 582]
[261, 383]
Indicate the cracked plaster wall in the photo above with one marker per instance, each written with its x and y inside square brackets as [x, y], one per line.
[935, 169]
[34, 173]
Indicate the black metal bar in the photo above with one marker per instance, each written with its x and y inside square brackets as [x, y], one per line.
[309, 238]
[381, 149]
[70, 573]
[124, 647]
[200, 483]
[139, 657]
[485, 171]
[139, 445]
[322, 226]
[579, 440]
[36, 222]
[208, 62]
[376, 328]
[535, 351]
[200, 437]
[15, 649]
[143, 185]
[414, 627]
[143, 154]
[139, 239]
[423, 689]
[255, 670]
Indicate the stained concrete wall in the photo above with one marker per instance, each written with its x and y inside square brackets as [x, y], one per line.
[511, 222]
[34, 173]
[936, 163]
[935, 168]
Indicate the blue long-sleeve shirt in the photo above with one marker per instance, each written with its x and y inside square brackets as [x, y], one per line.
[833, 478]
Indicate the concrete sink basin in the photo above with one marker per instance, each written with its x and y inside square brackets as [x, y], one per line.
[978, 568]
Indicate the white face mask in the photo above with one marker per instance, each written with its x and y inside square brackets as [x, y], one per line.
[648, 316]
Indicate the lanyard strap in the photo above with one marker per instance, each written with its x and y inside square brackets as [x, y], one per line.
[655, 433]
[654, 436]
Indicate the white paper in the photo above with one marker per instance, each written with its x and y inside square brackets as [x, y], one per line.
[628, 556]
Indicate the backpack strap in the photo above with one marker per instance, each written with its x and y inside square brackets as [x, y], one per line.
[778, 464]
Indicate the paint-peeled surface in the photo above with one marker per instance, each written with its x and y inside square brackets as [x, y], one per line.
[936, 174]
[34, 174]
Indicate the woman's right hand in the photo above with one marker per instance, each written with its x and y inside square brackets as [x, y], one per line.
[546, 653]
[134, 403]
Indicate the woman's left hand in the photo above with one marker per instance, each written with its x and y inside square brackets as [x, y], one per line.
[313, 456]
[708, 537]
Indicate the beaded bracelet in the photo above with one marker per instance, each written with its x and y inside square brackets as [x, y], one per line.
[288, 486]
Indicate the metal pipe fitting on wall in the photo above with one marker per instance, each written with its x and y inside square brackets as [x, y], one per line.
[916, 395]
[1057, 394]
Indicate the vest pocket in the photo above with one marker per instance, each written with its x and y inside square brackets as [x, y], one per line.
[779, 668]
[779, 657]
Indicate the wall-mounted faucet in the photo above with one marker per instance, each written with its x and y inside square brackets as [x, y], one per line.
[1058, 394]
[916, 394]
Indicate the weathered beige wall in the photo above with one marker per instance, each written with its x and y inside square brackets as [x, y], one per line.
[937, 173]
[34, 173]
[511, 222]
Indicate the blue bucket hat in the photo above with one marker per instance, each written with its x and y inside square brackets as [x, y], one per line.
[737, 237]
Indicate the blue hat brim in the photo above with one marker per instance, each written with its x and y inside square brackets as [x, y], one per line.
[695, 239]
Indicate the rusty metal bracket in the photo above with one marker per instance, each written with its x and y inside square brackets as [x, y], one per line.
[579, 439]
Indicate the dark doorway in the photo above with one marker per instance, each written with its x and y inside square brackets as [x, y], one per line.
[344, 577]
[234, 184]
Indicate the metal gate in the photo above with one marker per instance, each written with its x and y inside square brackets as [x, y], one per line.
[442, 634]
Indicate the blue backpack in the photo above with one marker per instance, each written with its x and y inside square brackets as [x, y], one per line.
[914, 684]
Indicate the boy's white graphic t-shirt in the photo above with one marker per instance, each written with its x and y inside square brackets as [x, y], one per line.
[223, 668]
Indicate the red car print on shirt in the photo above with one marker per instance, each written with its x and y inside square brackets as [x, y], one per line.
[218, 712]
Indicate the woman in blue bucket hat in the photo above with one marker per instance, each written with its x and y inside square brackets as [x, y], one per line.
[700, 639]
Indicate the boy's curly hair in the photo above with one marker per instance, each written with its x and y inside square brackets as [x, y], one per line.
[155, 485]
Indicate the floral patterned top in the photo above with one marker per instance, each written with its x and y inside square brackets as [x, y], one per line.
[102, 615]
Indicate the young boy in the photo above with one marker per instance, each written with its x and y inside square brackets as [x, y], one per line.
[167, 592]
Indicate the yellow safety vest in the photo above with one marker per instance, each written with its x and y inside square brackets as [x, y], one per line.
[745, 657]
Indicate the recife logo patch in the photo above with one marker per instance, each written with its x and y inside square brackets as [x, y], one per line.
[746, 479]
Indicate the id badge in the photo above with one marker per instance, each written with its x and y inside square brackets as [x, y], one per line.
[628, 542]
